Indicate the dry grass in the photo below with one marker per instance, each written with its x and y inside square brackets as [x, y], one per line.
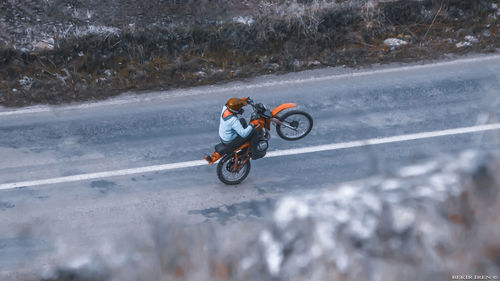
[203, 42]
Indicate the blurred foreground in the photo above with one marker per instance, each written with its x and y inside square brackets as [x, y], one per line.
[427, 222]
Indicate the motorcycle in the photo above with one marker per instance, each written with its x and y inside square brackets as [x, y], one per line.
[291, 125]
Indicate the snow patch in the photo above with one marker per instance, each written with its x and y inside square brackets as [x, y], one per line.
[403, 218]
[463, 44]
[418, 170]
[471, 39]
[289, 209]
[244, 20]
[394, 42]
[96, 30]
[273, 252]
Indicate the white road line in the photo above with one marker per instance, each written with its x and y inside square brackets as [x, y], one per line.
[91, 176]
[215, 89]
[401, 138]
[276, 153]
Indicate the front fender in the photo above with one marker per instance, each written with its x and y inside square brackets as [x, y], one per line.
[282, 107]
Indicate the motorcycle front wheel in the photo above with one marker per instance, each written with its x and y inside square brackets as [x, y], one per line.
[296, 125]
[226, 172]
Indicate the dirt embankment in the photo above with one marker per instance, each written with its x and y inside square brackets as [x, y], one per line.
[88, 54]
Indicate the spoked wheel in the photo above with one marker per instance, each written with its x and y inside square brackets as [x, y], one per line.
[226, 172]
[296, 125]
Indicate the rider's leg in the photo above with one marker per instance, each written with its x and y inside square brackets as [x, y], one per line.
[237, 142]
[234, 144]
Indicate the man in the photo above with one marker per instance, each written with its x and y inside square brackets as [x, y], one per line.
[233, 131]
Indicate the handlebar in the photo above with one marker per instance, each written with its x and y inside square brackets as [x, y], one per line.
[249, 101]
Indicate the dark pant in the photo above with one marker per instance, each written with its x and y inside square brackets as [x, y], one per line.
[239, 141]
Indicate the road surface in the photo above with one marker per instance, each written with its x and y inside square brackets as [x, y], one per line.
[74, 177]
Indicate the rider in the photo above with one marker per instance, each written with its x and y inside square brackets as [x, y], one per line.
[233, 131]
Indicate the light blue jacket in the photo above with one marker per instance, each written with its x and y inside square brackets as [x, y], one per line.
[230, 127]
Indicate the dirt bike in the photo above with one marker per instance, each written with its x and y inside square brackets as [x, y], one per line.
[234, 165]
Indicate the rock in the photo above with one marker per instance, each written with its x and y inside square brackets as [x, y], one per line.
[237, 72]
[394, 42]
[26, 82]
[314, 63]
[471, 39]
[201, 74]
[43, 46]
[297, 63]
[463, 44]
[264, 59]
[273, 66]
[108, 72]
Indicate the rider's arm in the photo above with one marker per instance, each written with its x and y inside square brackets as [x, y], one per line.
[243, 132]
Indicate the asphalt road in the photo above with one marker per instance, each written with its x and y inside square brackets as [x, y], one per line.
[43, 224]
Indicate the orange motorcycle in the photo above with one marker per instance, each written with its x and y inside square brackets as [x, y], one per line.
[234, 164]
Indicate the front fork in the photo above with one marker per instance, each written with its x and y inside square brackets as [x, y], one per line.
[276, 121]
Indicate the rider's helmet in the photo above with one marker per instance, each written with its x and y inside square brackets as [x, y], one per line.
[235, 105]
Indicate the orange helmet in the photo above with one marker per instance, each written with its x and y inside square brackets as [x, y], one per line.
[235, 104]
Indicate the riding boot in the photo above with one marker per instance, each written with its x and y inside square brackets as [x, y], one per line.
[211, 159]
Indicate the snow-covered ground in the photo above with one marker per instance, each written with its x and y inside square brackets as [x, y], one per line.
[428, 222]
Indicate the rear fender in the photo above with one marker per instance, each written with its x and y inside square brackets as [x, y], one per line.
[282, 107]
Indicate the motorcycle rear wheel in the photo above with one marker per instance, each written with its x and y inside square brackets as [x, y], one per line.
[301, 121]
[225, 171]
